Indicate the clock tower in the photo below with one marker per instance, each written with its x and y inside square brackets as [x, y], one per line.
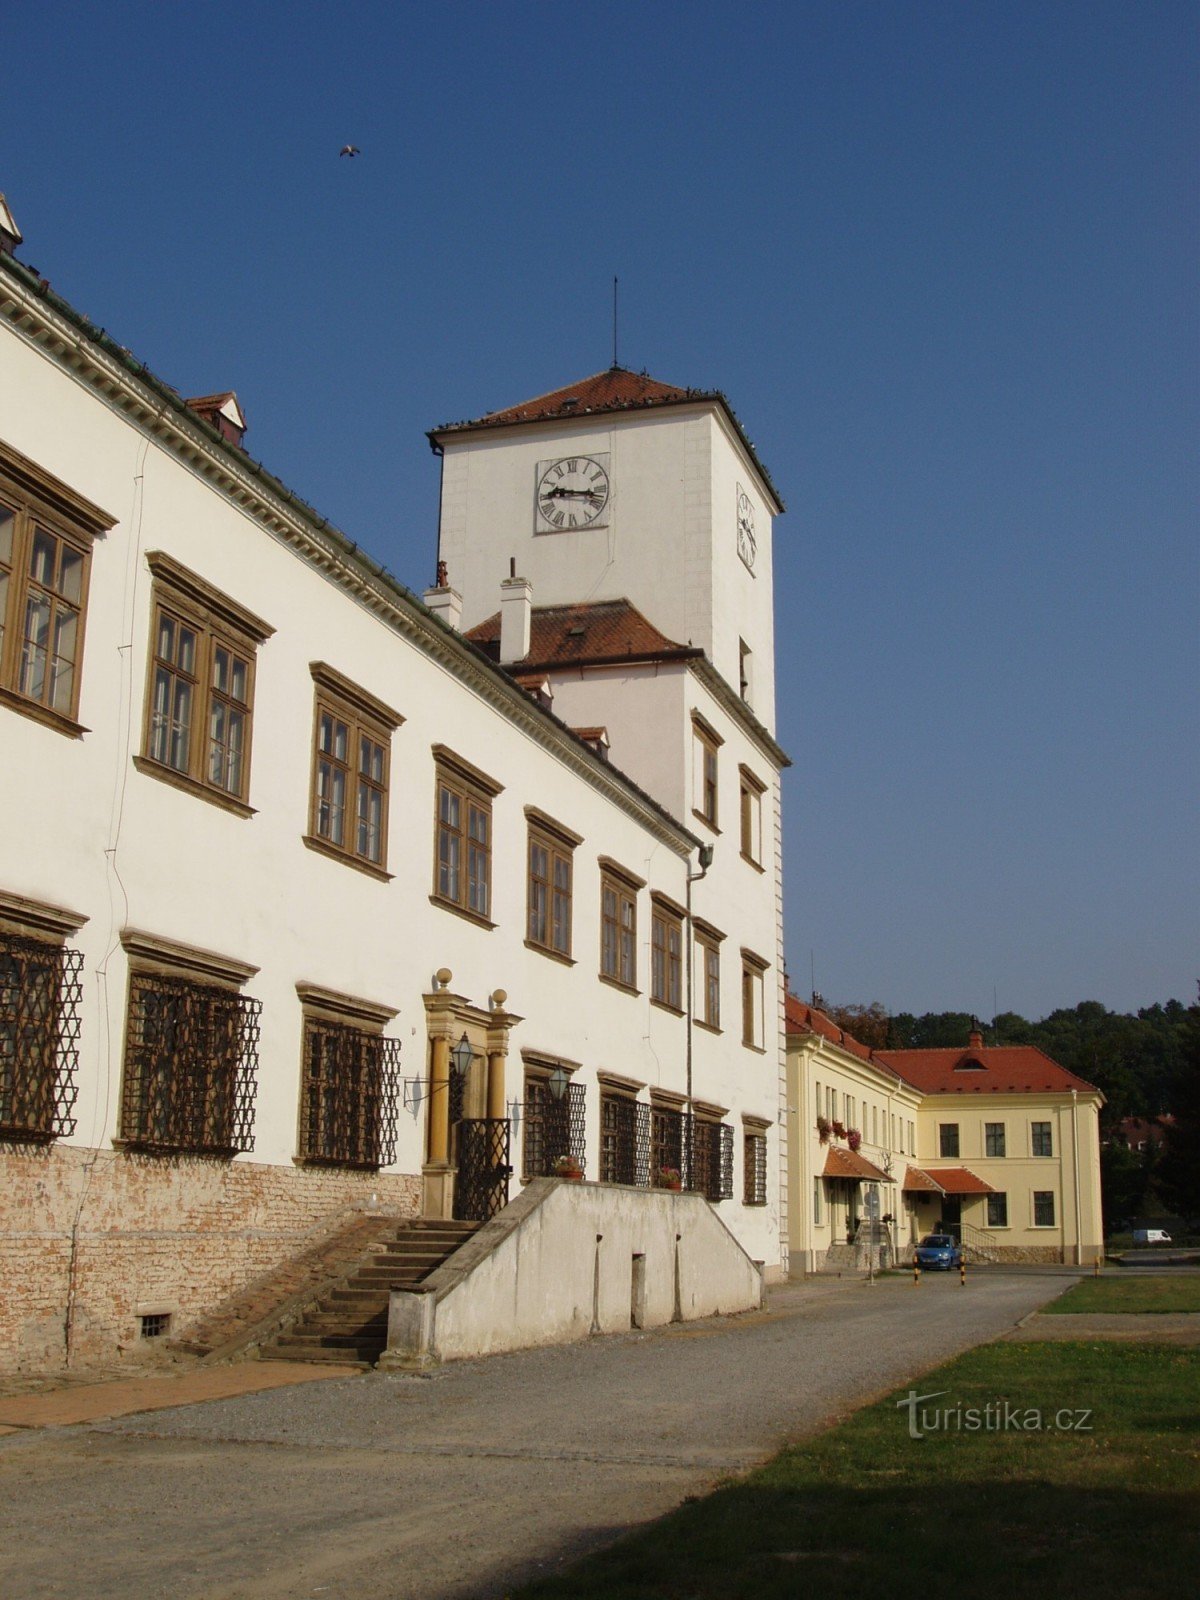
[620, 487]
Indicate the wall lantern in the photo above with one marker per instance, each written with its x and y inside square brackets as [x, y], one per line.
[462, 1056]
[558, 1081]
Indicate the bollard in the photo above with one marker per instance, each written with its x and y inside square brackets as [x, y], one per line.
[1097, 1266]
[962, 1271]
[916, 1270]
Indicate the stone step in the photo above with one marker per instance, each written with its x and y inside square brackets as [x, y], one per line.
[359, 1359]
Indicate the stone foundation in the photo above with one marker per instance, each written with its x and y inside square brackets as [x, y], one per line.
[91, 1240]
[1031, 1254]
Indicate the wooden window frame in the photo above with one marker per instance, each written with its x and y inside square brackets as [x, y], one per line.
[1044, 1195]
[550, 1129]
[706, 742]
[948, 1133]
[549, 927]
[367, 721]
[217, 624]
[462, 860]
[754, 1161]
[666, 954]
[999, 1197]
[623, 886]
[706, 941]
[754, 1004]
[750, 814]
[995, 1133]
[41, 990]
[43, 509]
[1048, 1152]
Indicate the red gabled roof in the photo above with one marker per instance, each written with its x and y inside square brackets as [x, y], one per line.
[992, 1069]
[800, 1017]
[617, 389]
[606, 630]
[841, 1163]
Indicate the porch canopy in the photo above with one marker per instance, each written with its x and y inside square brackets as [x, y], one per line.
[945, 1180]
[849, 1164]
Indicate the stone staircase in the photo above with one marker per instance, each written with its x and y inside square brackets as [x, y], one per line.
[839, 1259]
[348, 1323]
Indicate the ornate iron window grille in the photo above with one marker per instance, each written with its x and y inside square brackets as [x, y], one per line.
[553, 1127]
[191, 1065]
[667, 1144]
[349, 1105]
[624, 1140]
[755, 1160]
[710, 1159]
[41, 987]
[481, 1184]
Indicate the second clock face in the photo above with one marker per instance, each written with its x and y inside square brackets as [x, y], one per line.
[747, 547]
[571, 493]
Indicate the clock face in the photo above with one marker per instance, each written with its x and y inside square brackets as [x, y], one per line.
[571, 493]
[747, 548]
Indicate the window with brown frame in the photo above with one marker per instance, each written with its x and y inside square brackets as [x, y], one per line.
[191, 1051]
[667, 1127]
[708, 963]
[751, 791]
[618, 925]
[348, 807]
[41, 986]
[46, 536]
[754, 1166]
[200, 689]
[350, 1082]
[710, 1158]
[550, 885]
[462, 872]
[666, 953]
[753, 1020]
[553, 1126]
[705, 743]
[624, 1137]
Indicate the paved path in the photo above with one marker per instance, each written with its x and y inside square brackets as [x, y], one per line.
[459, 1483]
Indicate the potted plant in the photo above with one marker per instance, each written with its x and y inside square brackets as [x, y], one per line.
[824, 1129]
[567, 1167]
[839, 1130]
[853, 1138]
[668, 1178]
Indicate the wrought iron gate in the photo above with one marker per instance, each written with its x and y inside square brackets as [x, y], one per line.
[481, 1187]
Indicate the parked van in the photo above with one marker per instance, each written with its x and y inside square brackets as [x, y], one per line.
[1151, 1236]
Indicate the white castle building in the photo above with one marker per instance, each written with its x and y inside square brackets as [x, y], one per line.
[320, 900]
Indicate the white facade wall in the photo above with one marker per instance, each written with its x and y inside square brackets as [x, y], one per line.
[89, 832]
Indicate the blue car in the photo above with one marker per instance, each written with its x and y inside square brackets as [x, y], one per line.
[938, 1252]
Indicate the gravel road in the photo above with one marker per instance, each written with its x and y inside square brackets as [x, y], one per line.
[457, 1484]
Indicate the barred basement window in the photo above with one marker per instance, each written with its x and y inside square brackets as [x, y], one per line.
[624, 1138]
[348, 1106]
[40, 991]
[553, 1126]
[200, 693]
[352, 737]
[155, 1324]
[754, 1161]
[46, 535]
[191, 1064]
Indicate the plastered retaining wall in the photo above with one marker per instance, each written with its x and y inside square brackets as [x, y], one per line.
[95, 1238]
[565, 1260]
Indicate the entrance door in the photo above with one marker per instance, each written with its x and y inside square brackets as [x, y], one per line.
[481, 1181]
[951, 1222]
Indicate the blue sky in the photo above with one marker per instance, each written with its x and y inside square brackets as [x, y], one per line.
[941, 257]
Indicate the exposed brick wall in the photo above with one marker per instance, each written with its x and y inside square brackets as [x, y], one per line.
[104, 1233]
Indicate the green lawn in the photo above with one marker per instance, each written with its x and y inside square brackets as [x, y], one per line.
[1130, 1294]
[865, 1509]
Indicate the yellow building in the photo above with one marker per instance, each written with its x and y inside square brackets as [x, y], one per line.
[998, 1145]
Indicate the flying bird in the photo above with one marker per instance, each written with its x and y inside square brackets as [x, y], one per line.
[349, 150]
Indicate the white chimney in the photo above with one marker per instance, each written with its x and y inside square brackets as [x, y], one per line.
[445, 603]
[516, 619]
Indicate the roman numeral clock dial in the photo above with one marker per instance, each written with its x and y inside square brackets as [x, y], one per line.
[571, 493]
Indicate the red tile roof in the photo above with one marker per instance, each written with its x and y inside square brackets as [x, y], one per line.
[946, 1180]
[916, 1181]
[994, 1069]
[803, 1018]
[840, 1163]
[607, 630]
[617, 389]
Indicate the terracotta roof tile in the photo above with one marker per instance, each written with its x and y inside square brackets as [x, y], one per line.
[803, 1018]
[917, 1181]
[953, 1180]
[994, 1069]
[608, 630]
[840, 1163]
